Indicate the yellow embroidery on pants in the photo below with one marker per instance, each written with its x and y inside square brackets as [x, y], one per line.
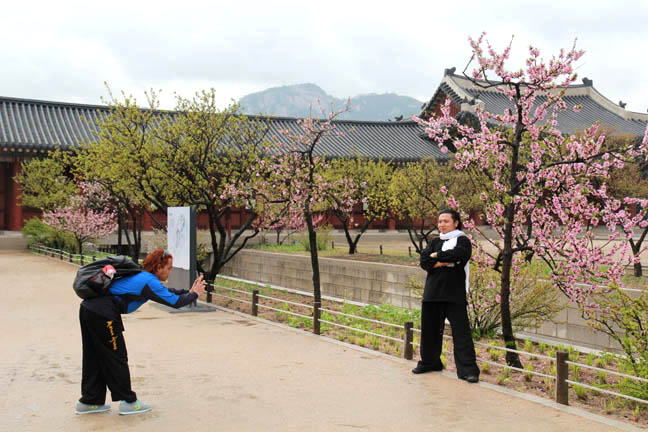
[112, 334]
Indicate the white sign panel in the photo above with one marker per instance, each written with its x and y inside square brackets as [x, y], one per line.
[179, 235]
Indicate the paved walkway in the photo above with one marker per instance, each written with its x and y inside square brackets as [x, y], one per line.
[225, 372]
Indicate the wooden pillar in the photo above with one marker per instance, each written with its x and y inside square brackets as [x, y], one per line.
[392, 223]
[4, 198]
[14, 211]
[147, 222]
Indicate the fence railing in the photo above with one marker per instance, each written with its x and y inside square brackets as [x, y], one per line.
[561, 361]
[62, 255]
[561, 358]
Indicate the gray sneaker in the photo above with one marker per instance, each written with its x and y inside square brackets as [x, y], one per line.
[82, 408]
[136, 407]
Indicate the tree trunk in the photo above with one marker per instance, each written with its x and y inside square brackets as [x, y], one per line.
[512, 359]
[352, 248]
[636, 248]
[347, 235]
[312, 238]
[638, 271]
[120, 227]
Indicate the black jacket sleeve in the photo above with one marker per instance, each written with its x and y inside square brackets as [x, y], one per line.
[459, 254]
[185, 299]
[178, 291]
[427, 263]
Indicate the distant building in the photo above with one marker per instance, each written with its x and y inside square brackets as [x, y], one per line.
[465, 96]
[30, 128]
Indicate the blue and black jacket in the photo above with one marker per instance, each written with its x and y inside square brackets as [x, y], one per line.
[131, 292]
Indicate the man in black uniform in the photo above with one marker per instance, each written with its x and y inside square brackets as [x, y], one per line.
[446, 261]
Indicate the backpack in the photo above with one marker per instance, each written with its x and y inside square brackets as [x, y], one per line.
[94, 279]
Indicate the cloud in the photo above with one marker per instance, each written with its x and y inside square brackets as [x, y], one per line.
[348, 48]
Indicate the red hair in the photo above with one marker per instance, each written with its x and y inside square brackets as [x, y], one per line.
[156, 260]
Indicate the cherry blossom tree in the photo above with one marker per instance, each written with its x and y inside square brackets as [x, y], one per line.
[297, 188]
[630, 181]
[547, 190]
[87, 216]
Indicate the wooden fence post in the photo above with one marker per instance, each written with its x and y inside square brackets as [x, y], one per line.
[408, 348]
[562, 373]
[255, 302]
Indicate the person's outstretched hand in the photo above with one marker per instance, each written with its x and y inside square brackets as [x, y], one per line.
[198, 286]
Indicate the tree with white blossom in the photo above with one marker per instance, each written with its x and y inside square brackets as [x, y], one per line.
[546, 189]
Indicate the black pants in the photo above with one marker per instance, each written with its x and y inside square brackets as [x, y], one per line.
[433, 316]
[105, 360]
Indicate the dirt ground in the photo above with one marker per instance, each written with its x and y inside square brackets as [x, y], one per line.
[222, 371]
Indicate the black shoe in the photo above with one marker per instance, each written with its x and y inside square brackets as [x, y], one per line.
[470, 378]
[423, 369]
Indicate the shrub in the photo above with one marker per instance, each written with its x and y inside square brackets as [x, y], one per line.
[532, 302]
[609, 407]
[504, 376]
[528, 346]
[601, 376]
[323, 239]
[548, 382]
[625, 319]
[494, 354]
[528, 376]
[589, 360]
[36, 231]
[485, 368]
[581, 392]
[575, 369]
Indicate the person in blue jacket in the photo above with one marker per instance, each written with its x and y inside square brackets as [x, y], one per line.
[105, 360]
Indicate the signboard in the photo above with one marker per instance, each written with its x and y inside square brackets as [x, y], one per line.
[179, 236]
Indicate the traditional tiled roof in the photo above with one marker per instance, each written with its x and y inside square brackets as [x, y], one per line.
[31, 125]
[595, 107]
[399, 141]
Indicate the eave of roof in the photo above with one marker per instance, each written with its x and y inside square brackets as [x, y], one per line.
[467, 95]
[35, 125]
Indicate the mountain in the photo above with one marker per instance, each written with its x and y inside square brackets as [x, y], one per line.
[294, 101]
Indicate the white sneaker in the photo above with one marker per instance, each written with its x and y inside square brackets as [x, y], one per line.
[136, 407]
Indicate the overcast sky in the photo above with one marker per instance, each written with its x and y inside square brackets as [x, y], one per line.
[65, 50]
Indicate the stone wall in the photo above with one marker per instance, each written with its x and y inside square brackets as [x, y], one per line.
[384, 283]
[570, 327]
[352, 280]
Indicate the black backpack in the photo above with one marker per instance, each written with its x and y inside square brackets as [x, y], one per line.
[93, 280]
